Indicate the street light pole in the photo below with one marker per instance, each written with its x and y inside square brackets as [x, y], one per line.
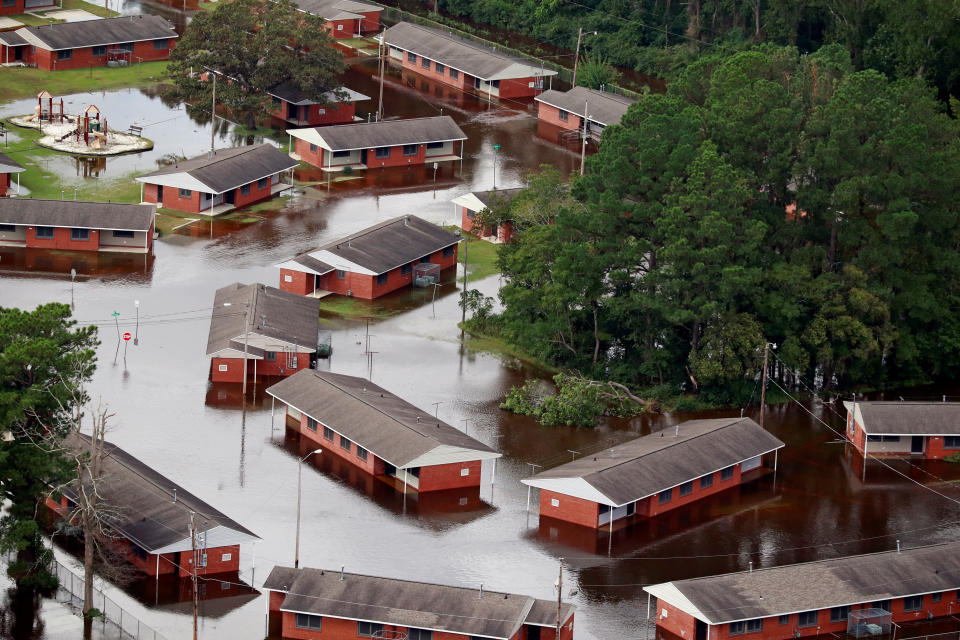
[296, 552]
[246, 331]
[576, 58]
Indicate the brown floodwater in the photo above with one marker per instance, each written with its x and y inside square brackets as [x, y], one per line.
[168, 414]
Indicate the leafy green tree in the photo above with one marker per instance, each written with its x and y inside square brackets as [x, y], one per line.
[595, 72]
[44, 364]
[259, 44]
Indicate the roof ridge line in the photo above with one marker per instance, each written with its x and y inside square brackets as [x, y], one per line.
[362, 232]
[466, 41]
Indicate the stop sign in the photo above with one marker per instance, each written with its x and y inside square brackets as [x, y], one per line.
[126, 336]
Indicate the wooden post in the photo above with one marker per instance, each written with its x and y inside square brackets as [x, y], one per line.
[576, 60]
[763, 386]
[559, 598]
[193, 577]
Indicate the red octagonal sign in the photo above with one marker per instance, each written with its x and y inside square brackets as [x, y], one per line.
[126, 336]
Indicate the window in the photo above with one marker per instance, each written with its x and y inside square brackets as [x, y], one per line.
[307, 621]
[313, 148]
[44, 232]
[98, 51]
[381, 279]
[64, 54]
[686, 488]
[383, 152]
[554, 502]
[411, 57]
[123, 234]
[936, 597]
[951, 442]
[746, 626]
[79, 234]
[913, 603]
[311, 424]
[883, 604]
[603, 508]
[341, 154]
[784, 619]
[185, 193]
[160, 44]
[245, 190]
[368, 629]
[126, 46]
[406, 269]
[9, 227]
[411, 149]
[883, 438]
[495, 84]
[563, 115]
[270, 356]
[425, 63]
[434, 145]
[631, 508]
[454, 74]
[262, 183]
[345, 444]
[226, 557]
[665, 496]
[706, 481]
[287, 277]
[807, 619]
[419, 634]
[464, 472]
[222, 367]
[361, 453]
[341, 274]
[339, 27]
[448, 251]
[9, 3]
[726, 474]
[328, 433]
[839, 614]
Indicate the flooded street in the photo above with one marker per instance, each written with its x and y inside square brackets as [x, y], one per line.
[200, 435]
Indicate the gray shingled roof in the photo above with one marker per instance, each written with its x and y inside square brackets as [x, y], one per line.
[459, 53]
[386, 133]
[487, 197]
[272, 313]
[335, 9]
[227, 169]
[76, 214]
[144, 501]
[12, 38]
[652, 463]
[816, 585]
[379, 421]
[291, 93]
[405, 603]
[106, 31]
[602, 107]
[9, 165]
[909, 418]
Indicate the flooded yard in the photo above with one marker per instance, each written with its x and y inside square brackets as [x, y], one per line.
[242, 462]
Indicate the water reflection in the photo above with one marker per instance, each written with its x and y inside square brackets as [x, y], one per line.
[56, 264]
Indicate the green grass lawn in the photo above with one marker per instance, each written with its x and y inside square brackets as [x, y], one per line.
[26, 82]
[355, 308]
[103, 12]
[40, 17]
[482, 258]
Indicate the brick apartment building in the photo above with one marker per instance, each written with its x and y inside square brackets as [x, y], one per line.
[345, 18]
[379, 432]
[470, 204]
[76, 226]
[8, 167]
[294, 107]
[463, 63]
[655, 473]
[916, 429]
[213, 184]
[373, 262]
[566, 109]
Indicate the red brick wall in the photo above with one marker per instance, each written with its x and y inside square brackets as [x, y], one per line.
[215, 561]
[551, 114]
[933, 445]
[448, 476]
[234, 372]
[337, 113]
[17, 8]
[4, 183]
[300, 283]
[678, 501]
[396, 159]
[302, 149]
[332, 447]
[256, 194]
[370, 22]
[366, 287]
[570, 509]
[172, 199]
[342, 28]
[463, 81]
[518, 88]
[61, 240]
[83, 57]
[340, 629]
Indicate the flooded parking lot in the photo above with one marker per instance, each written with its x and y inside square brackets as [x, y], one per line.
[239, 460]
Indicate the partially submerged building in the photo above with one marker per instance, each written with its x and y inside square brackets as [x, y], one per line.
[471, 204]
[8, 167]
[294, 107]
[108, 41]
[345, 18]
[276, 333]
[76, 226]
[569, 109]
[151, 518]
[853, 596]
[334, 604]
[375, 145]
[373, 262]
[218, 182]
[379, 432]
[657, 472]
[463, 63]
[918, 429]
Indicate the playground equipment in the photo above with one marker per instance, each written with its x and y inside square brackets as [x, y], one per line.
[53, 112]
[90, 128]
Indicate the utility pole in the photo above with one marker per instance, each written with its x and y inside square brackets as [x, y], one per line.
[533, 470]
[559, 598]
[576, 60]
[193, 577]
[583, 148]
[763, 386]
[463, 297]
[246, 331]
[382, 50]
[213, 111]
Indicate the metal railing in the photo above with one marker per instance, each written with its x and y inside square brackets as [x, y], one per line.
[116, 622]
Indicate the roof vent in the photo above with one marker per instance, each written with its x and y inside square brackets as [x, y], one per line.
[406, 221]
[898, 546]
[676, 431]
[364, 390]
[481, 592]
[341, 574]
[174, 495]
[418, 419]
